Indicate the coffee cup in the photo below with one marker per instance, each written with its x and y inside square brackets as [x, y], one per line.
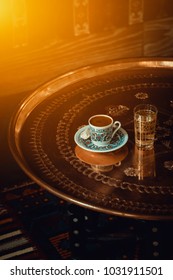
[102, 129]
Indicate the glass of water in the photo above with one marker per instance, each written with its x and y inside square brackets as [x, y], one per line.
[145, 117]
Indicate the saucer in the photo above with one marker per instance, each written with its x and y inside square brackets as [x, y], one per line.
[118, 141]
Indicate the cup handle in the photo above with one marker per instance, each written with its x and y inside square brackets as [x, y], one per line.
[117, 126]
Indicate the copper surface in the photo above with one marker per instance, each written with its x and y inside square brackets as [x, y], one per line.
[101, 159]
[42, 131]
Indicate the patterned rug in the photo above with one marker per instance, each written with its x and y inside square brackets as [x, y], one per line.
[15, 243]
[32, 224]
[35, 224]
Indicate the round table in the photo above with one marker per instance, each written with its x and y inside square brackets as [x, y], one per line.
[41, 137]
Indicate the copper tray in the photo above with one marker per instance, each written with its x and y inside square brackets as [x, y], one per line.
[42, 130]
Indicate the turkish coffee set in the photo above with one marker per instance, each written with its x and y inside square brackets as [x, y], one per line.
[101, 143]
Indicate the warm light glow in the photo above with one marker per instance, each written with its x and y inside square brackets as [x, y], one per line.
[5, 6]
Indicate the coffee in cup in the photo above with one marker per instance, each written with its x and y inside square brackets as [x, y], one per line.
[102, 129]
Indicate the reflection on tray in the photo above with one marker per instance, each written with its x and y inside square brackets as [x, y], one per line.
[144, 161]
[102, 162]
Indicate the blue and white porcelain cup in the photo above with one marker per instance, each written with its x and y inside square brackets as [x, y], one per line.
[102, 129]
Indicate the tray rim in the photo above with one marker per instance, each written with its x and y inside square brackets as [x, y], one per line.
[48, 89]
